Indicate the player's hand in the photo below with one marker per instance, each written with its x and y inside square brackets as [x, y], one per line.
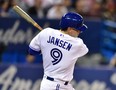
[30, 58]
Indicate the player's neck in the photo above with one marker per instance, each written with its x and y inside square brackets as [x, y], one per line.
[66, 32]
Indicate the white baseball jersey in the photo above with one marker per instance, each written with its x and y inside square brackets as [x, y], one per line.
[60, 52]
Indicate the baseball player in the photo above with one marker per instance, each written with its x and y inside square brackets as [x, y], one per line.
[60, 50]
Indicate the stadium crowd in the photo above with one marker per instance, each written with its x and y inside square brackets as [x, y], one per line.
[54, 9]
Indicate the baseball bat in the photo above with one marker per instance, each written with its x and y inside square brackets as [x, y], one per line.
[23, 14]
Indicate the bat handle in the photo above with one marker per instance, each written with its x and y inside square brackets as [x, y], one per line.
[37, 26]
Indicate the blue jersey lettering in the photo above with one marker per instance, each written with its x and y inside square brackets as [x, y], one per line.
[59, 42]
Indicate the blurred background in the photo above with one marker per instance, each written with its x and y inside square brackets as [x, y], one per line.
[94, 71]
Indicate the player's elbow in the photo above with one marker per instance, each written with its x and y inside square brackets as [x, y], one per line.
[87, 50]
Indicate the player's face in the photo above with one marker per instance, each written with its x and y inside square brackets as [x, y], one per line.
[73, 32]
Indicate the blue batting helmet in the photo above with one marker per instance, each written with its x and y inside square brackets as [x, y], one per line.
[73, 20]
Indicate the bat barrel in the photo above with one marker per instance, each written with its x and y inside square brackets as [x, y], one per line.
[26, 16]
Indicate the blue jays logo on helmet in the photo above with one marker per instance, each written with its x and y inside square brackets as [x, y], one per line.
[73, 20]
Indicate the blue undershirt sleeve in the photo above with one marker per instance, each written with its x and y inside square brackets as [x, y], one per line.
[33, 52]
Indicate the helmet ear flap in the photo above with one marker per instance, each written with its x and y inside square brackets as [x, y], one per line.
[73, 20]
[83, 28]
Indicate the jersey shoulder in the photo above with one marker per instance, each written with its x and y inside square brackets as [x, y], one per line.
[45, 31]
[79, 41]
[48, 29]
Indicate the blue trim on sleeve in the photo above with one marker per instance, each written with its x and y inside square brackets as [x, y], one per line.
[33, 52]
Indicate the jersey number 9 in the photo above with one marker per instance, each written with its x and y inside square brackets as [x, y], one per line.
[56, 54]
